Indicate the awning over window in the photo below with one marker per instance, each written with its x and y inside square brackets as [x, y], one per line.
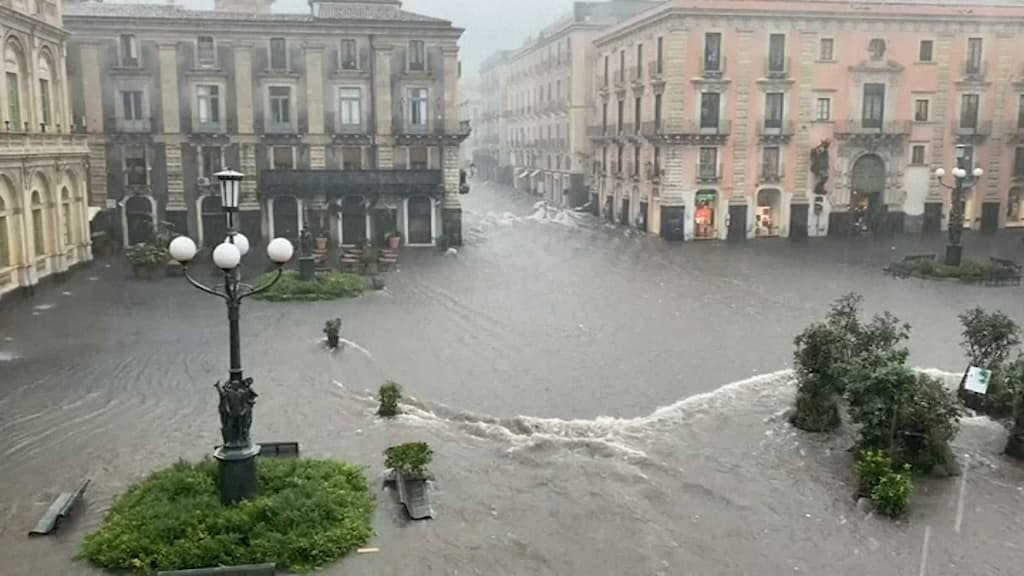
[522, 173]
[534, 173]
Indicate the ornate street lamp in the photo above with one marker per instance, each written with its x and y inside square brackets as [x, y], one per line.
[237, 456]
[962, 182]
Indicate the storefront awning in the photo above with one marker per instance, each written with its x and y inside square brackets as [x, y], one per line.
[534, 173]
[522, 173]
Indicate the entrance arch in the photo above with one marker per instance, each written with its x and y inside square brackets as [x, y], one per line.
[286, 217]
[867, 192]
[769, 212]
[138, 214]
[353, 220]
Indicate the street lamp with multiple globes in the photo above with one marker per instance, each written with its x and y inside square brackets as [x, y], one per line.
[237, 456]
[962, 182]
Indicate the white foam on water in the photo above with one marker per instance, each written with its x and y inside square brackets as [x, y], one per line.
[364, 351]
[43, 307]
[500, 219]
[7, 356]
[543, 212]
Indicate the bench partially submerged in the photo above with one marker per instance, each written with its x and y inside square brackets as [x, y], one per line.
[246, 570]
[279, 449]
[412, 493]
[58, 510]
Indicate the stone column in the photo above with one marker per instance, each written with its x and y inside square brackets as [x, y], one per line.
[384, 138]
[244, 115]
[315, 103]
[741, 125]
[93, 91]
[451, 213]
[177, 210]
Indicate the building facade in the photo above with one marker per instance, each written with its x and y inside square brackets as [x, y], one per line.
[491, 156]
[545, 88]
[705, 117]
[44, 215]
[343, 119]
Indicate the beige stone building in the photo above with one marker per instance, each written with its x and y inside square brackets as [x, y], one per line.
[44, 216]
[545, 87]
[343, 118]
[704, 116]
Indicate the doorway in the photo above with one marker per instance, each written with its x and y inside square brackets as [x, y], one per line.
[214, 221]
[353, 220]
[286, 217]
[769, 213]
[704, 214]
[867, 194]
[420, 220]
[138, 211]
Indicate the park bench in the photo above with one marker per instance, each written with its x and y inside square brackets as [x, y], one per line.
[412, 493]
[246, 570]
[279, 449]
[58, 510]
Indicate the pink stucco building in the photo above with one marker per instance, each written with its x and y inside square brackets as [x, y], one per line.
[705, 114]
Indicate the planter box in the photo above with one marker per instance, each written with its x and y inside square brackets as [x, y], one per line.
[413, 494]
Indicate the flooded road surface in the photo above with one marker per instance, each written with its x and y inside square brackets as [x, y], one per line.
[599, 403]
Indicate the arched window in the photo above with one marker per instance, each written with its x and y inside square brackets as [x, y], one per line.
[44, 101]
[139, 219]
[38, 233]
[15, 77]
[5, 245]
[65, 214]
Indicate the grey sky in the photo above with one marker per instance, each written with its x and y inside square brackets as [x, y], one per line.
[490, 24]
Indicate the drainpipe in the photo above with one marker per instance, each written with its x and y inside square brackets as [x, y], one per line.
[373, 105]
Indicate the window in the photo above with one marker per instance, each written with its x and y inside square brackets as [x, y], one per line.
[622, 65]
[65, 214]
[5, 248]
[44, 100]
[351, 158]
[921, 110]
[823, 110]
[770, 163]
[876, 48]
[282, 158]
[622, 112]
[418, 158]
[777, 53]
[709, 105]
[661, 55]
[558, 86]
[606, 70]
[280, 105]
[417, 56]
[969, 111]
[708, 167]
[135, 166]
[278, 54]
[874, 106]
[604, 117]
[350, 107]
[210, 160]
[208, 104]
[639, 61]
[206, 53]
[129, 50]
[636, 160]
[924, 52]
[418, 107]
[13, 101]
[1018, 162]
[657, 111]
[38, 237]
[917, 154]
[826, 49]
[349, 57]
[974, 55]
[131, 102]
[712, 51]
[773, 103]
[637, 107]
[618, 164]
[657, 162]
[1020, 112]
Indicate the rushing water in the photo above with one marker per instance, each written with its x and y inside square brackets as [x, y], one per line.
[637, 455]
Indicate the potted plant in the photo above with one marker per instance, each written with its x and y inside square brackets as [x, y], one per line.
[144, 257]
[321, 233]
[332, 328]
[394, 240]
[389, 395]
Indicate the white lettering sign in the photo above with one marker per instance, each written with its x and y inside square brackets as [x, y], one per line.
[977, 380]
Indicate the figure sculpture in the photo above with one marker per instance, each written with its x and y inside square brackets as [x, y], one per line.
[236, 402]
[820, 166]
[305, 242]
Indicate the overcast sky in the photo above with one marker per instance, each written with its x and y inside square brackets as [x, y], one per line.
[490, 24]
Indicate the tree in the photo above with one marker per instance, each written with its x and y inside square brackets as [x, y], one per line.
[820, 359]
[988, 340]
[1015, 446]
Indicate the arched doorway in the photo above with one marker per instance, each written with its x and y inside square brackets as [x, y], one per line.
[420, 222]
[353, 220]
[5, 242]
[867, 193]
[769, 213]
[213, 220]
[138, 214]
[67, 221]
[286, 217]
[705, 215]
[1015, 207]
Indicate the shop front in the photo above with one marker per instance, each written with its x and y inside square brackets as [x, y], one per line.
[705, 215]
[1015, 207]
[768, 214]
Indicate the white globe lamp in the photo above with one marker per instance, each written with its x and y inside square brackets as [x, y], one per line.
[227, 256]
[241, 241]
[959, 172]
[978, 172]
[940, 172]
[280, 251]
[182, 249]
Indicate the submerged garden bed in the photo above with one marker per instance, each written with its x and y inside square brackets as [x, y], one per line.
[991, 272]
[323, 286]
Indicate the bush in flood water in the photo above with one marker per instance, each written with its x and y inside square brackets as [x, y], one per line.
[389, 395]
[323, 286]
[988, 340]
[308, 513]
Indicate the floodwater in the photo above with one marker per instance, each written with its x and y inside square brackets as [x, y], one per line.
[599, 402]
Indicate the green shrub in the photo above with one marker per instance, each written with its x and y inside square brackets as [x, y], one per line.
[892, 493]
[332, 328]
[308, 513]
[872, 466]
[970, 270]
[146, 254]
[988, 339]
[323, 286]
[411, 459]
[389, 395]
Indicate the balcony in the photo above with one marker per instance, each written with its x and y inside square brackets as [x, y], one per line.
[26, 144]
[771, 174]
[713, 68]
[412, 133]
[656, 70]
[336, 183]
[776, 68]
[775, 131]
[974, 69]
[873, 130]
[977, 129]
[653, 173]
[708, 173]
[136, 125]
[689, 132]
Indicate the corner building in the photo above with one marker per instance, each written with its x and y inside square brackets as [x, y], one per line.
[705, 114]
[344, 118]
[44, 162]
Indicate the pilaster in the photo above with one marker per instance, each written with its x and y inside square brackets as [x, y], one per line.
[451, 90]
[941, 105]
[802, 139]
[741, 124]
[243, 87]
[315, 88]
[93, 92]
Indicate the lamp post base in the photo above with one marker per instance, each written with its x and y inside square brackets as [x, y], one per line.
[237, 478]
[954, 255]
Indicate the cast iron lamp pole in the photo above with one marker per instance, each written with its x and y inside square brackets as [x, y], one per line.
[237, 456]
[962, 181]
